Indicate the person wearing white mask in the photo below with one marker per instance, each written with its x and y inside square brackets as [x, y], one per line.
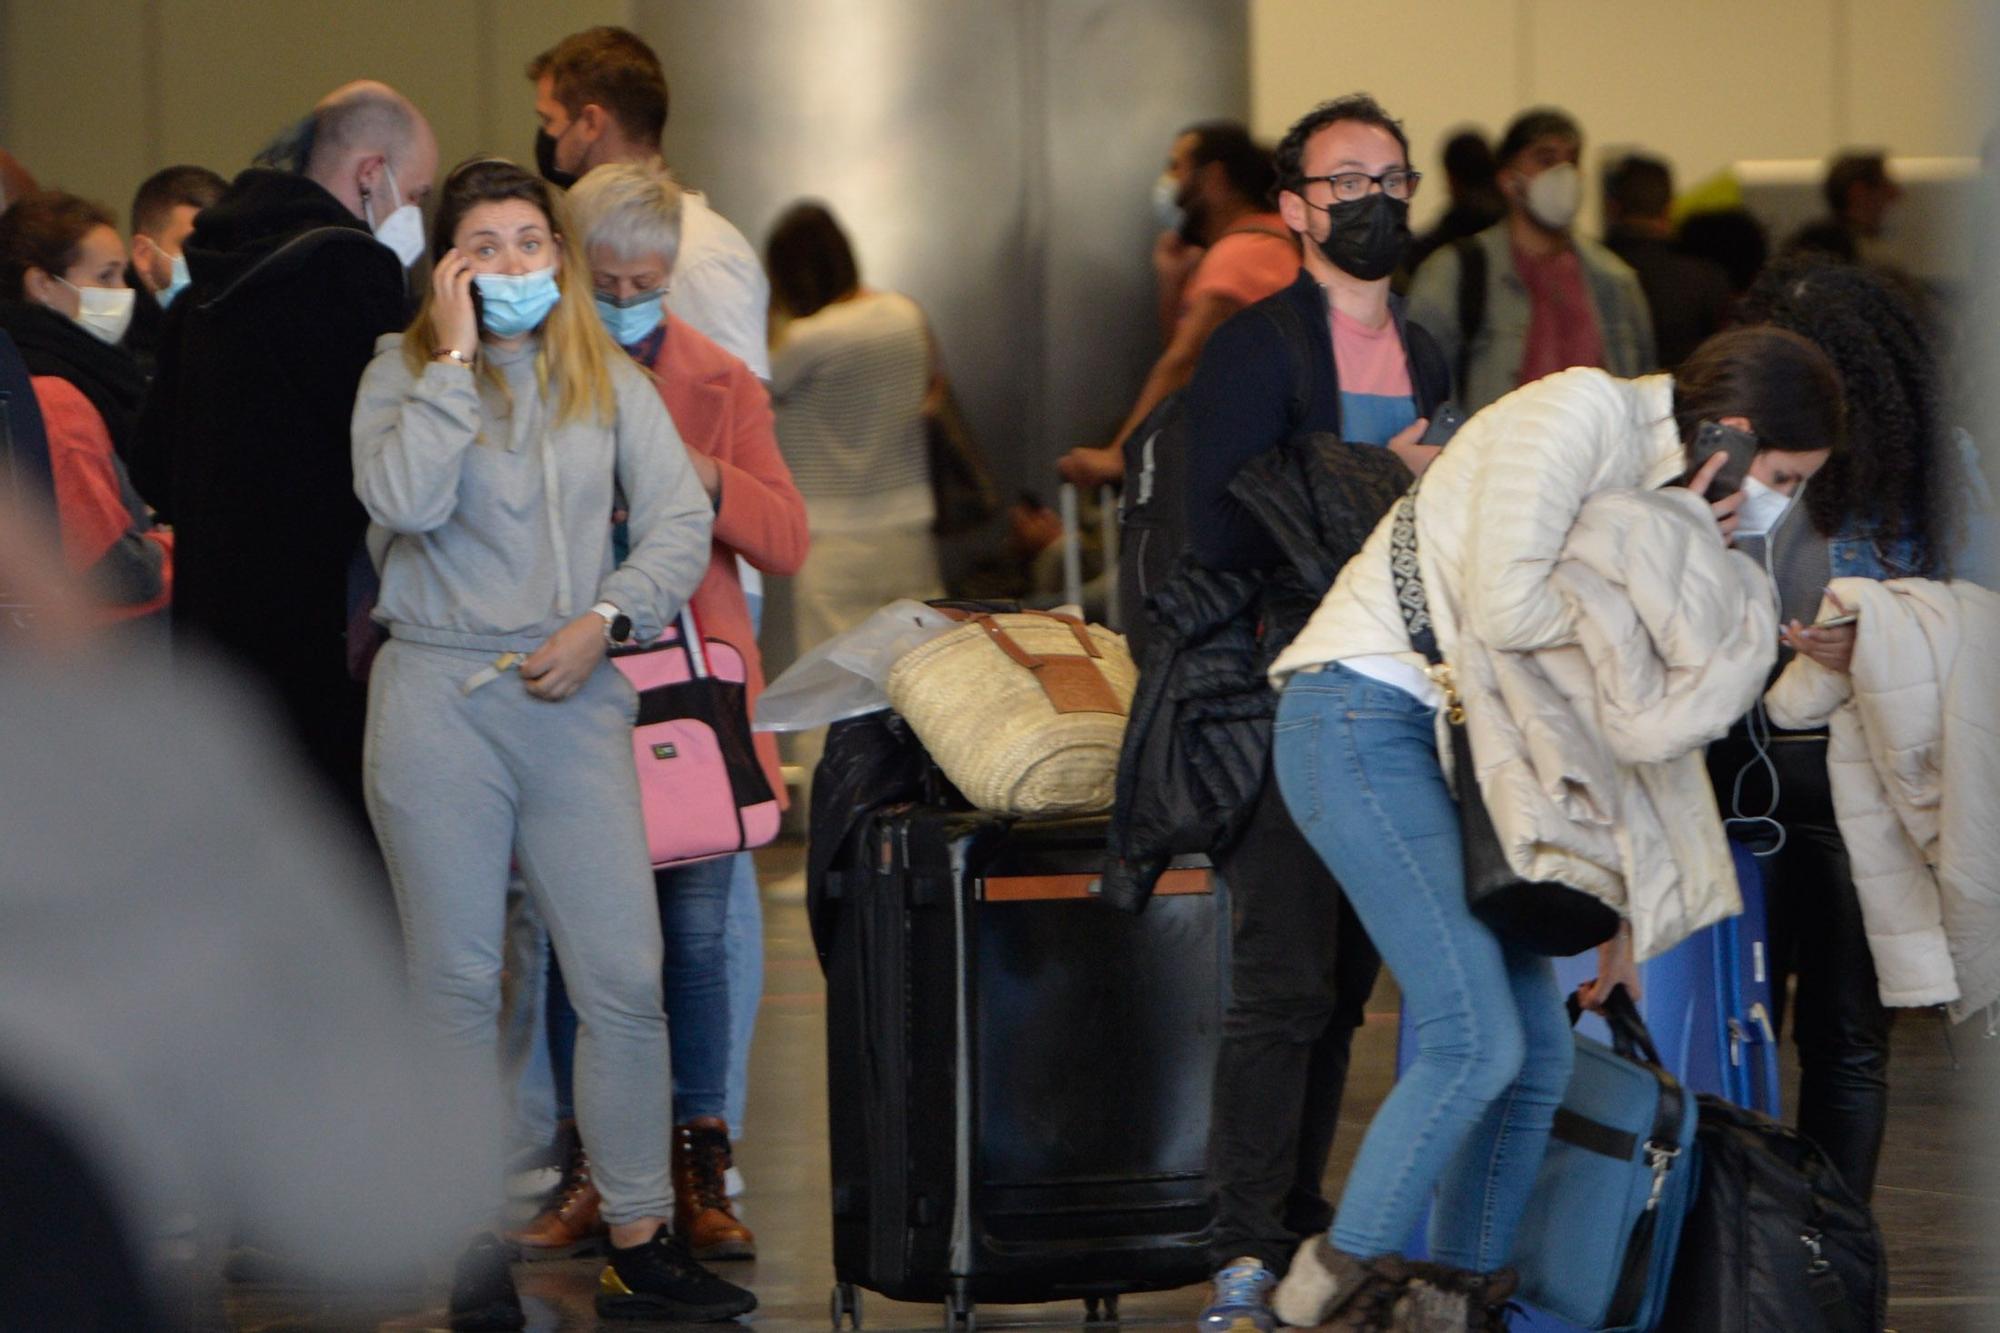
[1529, 296]
[1221, 247]
[64, 302]
[163, 213]
[296, 270]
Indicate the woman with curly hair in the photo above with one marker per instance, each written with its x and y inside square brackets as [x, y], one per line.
[1894, 503]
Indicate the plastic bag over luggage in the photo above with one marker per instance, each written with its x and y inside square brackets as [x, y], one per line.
[844, 676]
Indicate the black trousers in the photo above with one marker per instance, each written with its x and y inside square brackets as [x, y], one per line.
[1301, 971]
[1839, 1024]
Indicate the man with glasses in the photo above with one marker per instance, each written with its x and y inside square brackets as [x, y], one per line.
[1528, 296]
[1302, 964]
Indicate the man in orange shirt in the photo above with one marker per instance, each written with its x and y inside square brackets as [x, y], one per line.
[1222, 183]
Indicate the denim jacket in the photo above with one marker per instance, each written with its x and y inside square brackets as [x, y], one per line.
[1860, 550]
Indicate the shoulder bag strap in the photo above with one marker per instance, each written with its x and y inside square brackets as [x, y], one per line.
[1298, 354]
[1416, 607]
[1410, 580]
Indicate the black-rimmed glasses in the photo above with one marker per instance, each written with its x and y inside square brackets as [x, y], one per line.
[1347, 186]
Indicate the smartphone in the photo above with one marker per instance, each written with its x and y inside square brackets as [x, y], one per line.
[1714, 438]
[1835, 622]
[1444, 424]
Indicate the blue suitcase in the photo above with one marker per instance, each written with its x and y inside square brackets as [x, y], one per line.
[1707, 1002]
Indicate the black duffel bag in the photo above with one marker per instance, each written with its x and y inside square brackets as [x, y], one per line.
[1776, 1239]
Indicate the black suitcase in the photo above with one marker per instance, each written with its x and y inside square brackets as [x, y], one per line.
[1018, 1076]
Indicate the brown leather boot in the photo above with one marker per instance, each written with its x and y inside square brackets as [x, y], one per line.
[703, 1216]
[1332, 1289]
[569, 1224]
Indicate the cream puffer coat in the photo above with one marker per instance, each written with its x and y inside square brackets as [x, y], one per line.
[1598, 786]
[1914, 760]
[1590, 752]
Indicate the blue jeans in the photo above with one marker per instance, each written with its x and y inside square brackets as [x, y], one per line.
[694, 903]
[743, 946]
[1357, 761]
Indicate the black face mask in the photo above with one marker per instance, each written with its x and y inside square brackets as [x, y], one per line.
[545, 162]
[1366, 237]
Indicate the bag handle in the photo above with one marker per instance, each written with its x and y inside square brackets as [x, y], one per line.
[689, 644]
[1629, 1034]
[999, 635]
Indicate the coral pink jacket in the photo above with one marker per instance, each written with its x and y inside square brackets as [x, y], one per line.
[724, 412]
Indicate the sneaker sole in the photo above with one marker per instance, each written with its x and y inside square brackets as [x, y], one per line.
[728, 1249]
[679, 1312]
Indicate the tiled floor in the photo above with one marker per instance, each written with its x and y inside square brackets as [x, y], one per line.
[1942, 1148]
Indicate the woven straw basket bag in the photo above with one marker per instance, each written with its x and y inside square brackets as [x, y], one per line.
[1024, 711]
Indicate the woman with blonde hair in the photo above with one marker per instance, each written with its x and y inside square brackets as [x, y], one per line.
[491, 442]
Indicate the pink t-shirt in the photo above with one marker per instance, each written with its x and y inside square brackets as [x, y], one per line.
[1562, 328]
[1376, 398]
[1247, 263]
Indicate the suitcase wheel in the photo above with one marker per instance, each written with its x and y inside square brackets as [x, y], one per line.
[1100, 1309]
[846, 1305]
[960, 1314]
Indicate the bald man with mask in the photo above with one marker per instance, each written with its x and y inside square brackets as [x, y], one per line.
[295, 271]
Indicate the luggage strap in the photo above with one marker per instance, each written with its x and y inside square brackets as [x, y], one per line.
[1662, 1149]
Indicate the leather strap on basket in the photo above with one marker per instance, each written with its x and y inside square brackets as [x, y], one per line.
[1072, 684]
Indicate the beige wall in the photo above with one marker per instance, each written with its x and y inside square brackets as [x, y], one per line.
[95, 94]
[1702, 82]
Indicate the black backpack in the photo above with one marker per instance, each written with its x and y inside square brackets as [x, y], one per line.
[1775, 1239]
[1152, 514]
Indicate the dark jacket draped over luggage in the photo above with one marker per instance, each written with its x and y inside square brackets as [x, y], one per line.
[1198, 742]
[1276, 502]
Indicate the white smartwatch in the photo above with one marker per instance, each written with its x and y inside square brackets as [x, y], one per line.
[617, 625]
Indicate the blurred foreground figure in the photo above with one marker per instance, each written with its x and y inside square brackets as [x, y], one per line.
[201, 1027]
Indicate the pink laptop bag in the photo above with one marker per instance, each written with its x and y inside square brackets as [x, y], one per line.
[702, 788]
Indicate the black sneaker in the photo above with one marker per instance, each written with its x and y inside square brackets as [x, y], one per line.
[483, 1299]
[661, 1280]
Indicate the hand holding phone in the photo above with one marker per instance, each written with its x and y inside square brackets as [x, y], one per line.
[1445, 422]
[1738, 448]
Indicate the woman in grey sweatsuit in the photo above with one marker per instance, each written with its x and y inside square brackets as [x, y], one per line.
[489, 451]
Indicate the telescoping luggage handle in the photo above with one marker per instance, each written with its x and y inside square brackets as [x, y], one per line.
[1631, 1040]
[1107, 536]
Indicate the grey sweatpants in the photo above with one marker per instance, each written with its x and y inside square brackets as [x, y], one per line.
[457, 786]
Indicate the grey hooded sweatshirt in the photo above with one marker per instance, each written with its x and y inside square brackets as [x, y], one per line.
[492, 525]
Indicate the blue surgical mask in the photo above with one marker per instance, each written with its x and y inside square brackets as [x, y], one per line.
[512, 304]
[176, 284]
[631, 320]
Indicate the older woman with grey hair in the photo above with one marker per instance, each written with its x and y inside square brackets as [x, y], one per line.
[629, 221]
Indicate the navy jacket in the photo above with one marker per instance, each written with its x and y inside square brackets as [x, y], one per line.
[1240, 405]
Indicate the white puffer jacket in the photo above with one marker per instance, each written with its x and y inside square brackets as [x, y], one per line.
[1914, 760]
[1590, 752]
